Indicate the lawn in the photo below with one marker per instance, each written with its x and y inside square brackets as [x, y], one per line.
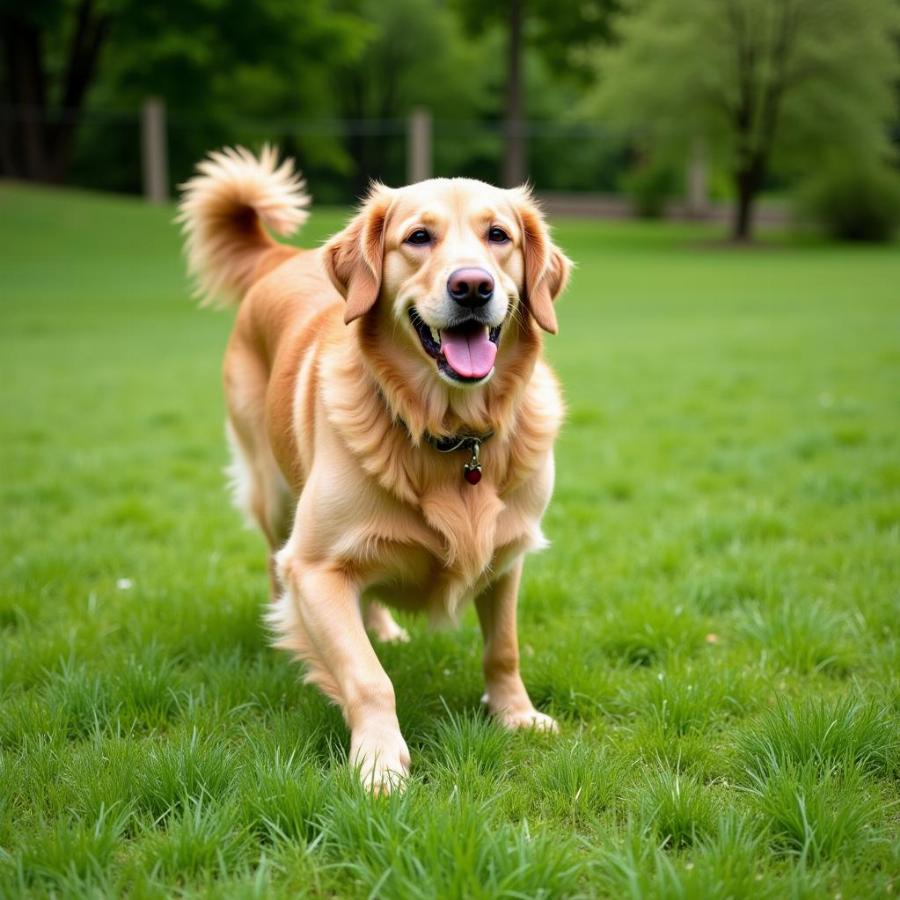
[716, 623]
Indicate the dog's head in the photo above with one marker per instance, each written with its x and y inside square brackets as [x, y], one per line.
[447, 266]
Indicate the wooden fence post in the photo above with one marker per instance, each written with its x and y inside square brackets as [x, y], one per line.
[697, 181]
[153, 151]
[418, 146]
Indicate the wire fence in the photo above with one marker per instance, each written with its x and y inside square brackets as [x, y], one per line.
[578, 168]
[108, 149]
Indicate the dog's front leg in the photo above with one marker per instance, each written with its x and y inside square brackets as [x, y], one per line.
[345, 666]
[506, 696]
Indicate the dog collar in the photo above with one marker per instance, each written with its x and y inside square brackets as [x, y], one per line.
[471, 442]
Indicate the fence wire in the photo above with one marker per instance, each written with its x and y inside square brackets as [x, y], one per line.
[338, 156]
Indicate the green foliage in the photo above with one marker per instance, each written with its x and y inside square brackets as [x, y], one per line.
[563, 32]
[421, 59]
[714, 624]
[330, 81]
[217, 66]
[837, 62]
[762, 82]
[650, 186]
[854, 203]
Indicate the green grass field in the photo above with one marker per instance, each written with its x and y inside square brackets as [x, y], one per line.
[716, 623]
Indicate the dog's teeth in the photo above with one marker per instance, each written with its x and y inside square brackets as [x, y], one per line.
[435, 335]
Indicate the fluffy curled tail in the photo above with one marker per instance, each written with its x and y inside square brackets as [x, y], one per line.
[225, 210]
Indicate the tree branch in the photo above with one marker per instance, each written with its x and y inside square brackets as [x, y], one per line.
[743, 114]
[84, 49]
[90, 32]
[778, 83]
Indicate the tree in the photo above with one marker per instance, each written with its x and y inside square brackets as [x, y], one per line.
[422, 59]
[764, 83]
[225, 58]
[44, 88]
[561, 29]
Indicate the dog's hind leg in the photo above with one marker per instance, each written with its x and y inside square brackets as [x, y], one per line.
[260, 493]
[383, 625]
[258, 486]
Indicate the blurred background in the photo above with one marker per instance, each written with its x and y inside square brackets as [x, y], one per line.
[743, 111]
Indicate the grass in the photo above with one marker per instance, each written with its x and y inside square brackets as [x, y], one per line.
[716, 624]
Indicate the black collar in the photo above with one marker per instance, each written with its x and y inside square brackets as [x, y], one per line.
[447, 443]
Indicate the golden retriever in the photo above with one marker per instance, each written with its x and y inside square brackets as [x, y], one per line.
[391, 418]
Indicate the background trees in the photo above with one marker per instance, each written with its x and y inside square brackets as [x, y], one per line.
[214, 62]
[561, 31]
[587, 95]
[414, 54]
[763, 83]
[51, 51]
[221, 63]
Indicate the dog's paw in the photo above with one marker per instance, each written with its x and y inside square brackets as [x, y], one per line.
[381, 760]
[526, 717]
[391, 633]
[381, 623]
[529, 719]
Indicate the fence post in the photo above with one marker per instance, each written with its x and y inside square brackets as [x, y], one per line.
[418, 146]
[697, 181]
[153, 151]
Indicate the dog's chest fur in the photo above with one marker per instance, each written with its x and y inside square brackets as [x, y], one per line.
[396, 514]
[447, 549]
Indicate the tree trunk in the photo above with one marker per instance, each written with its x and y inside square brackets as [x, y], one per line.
[747, 184]
[37, 141]
[353, 109]
[514, 167]
[84, 54]
[24, 138]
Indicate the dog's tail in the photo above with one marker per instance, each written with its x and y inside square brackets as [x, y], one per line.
[224, 212]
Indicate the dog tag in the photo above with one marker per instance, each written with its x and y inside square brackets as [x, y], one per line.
[472, 469]
[472, 474]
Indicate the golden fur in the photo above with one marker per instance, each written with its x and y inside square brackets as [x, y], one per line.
[331, 399]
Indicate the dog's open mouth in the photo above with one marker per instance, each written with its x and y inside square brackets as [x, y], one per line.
[464, 352]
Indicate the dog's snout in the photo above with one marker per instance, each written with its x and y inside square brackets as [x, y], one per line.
[471, 287]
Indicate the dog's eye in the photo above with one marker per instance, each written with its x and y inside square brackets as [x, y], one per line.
[419, 236]
[497, 235]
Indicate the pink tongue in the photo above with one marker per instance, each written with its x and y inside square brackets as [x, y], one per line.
[470, 354]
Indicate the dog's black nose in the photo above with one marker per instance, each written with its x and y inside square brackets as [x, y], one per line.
[471, 287]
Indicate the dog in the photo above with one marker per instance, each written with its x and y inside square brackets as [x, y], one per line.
[390, 415]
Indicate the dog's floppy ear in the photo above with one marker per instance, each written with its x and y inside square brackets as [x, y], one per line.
[547, 268]
[353, 257]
